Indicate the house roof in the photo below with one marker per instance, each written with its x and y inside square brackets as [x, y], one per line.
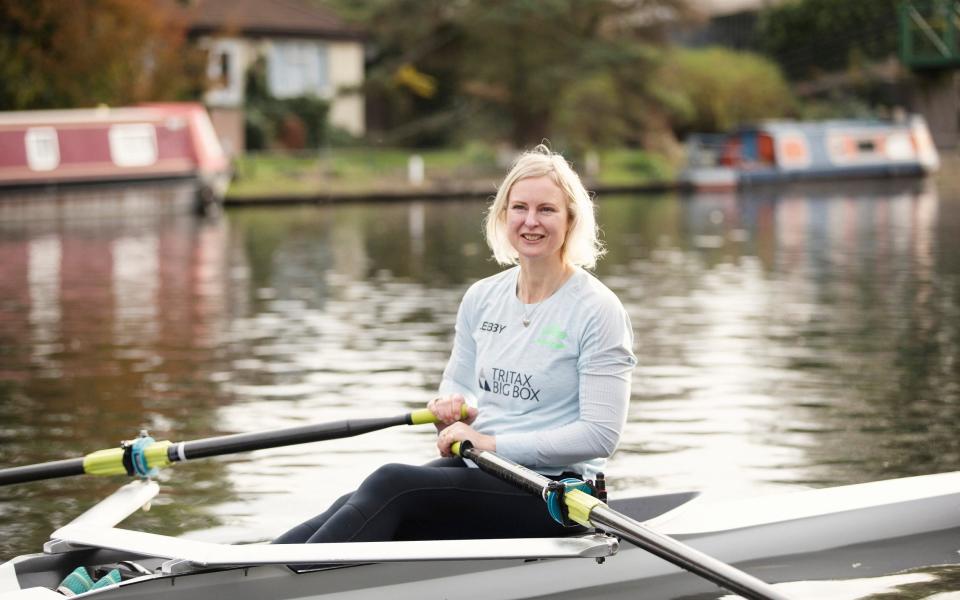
[718, 8]
[270, 18]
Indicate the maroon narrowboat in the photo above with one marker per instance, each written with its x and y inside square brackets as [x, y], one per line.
[150, 142]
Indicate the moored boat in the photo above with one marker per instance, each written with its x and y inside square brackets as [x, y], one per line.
[151, 142]
[776, 152]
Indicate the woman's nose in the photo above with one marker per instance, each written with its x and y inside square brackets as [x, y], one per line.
[531, 218]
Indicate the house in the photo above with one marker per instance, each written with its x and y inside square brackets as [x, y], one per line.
[728, 23]
[307, 51]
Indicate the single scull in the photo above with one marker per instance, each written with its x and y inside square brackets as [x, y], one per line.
[856, 531]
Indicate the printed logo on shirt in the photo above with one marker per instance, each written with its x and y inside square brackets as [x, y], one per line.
[510, 384]
[494, 327]
[483, 383]
[552, 336]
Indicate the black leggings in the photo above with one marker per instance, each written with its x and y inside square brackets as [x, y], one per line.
[440, 500]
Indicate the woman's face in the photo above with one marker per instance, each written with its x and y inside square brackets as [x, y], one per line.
[537, 218]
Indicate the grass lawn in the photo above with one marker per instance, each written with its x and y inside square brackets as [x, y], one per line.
[360, 170]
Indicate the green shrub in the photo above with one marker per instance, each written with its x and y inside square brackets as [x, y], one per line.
[289, 123]
[715, 89]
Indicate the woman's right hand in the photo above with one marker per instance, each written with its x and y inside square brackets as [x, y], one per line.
[447, 410]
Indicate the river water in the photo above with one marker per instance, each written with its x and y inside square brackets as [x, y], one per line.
[786, 339]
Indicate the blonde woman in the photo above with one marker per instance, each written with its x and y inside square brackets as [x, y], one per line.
[542, 357]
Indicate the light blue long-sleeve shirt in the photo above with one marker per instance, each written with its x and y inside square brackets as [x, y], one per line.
[555, 393]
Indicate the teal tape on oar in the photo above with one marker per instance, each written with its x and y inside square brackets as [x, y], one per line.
[556, 505]
[138, 458]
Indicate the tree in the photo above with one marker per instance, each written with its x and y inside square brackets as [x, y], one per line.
[88, 52]
[517, 69]
[808, 37]
[715, 89]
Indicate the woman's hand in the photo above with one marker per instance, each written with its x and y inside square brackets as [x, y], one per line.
[459, 432]
[447, 410]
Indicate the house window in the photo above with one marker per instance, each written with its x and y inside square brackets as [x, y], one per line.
[224, 73]
[298, 68]
[43, 148]
[133, 145]
[218, 69]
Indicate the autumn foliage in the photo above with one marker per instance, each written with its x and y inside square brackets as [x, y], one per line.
[56, 54]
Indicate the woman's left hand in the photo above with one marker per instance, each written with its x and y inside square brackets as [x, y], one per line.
[458, 432]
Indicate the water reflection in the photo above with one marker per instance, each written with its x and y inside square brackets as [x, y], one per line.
[805, 337]
[97, 342]
[785, 339]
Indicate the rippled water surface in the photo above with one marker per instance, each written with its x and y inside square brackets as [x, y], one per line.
[801, 338]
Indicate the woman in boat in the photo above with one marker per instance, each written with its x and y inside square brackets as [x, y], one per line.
[542, 357]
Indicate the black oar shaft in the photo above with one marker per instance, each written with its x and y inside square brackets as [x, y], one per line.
[247, 442]
[683, 556]
[604, 517]
[507, 470]
[50, 470]
[216, 446]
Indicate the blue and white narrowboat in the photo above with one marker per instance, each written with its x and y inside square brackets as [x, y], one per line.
[780, 151]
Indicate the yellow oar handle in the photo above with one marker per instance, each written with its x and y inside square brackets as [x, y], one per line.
[425, 417]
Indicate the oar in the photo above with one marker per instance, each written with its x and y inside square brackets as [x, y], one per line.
[140, 456]
[591, 512]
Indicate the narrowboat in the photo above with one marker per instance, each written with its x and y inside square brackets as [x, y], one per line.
[152, 142]
[775, 152]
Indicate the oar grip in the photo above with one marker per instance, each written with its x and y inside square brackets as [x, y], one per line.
[425, 416]
[462, 449]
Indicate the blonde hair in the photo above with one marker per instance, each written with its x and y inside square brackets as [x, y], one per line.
[582, 246]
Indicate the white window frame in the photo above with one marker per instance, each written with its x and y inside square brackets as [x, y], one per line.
[226, 85]
[298, 68]
[133, 144]
[43, 148]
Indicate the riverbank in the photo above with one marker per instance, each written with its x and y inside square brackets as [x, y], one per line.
[378, 193]
[383, 175]
[365, 174]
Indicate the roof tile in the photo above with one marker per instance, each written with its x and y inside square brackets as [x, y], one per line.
[265, 17]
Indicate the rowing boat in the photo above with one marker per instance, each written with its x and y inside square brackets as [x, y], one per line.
[856, 531]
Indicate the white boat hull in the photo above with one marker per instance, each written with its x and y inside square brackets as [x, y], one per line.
[866, 530]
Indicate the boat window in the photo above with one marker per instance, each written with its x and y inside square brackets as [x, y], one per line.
[133, 145]
[792, 150]
[898, 146]
[43, 148]
[866, 146]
